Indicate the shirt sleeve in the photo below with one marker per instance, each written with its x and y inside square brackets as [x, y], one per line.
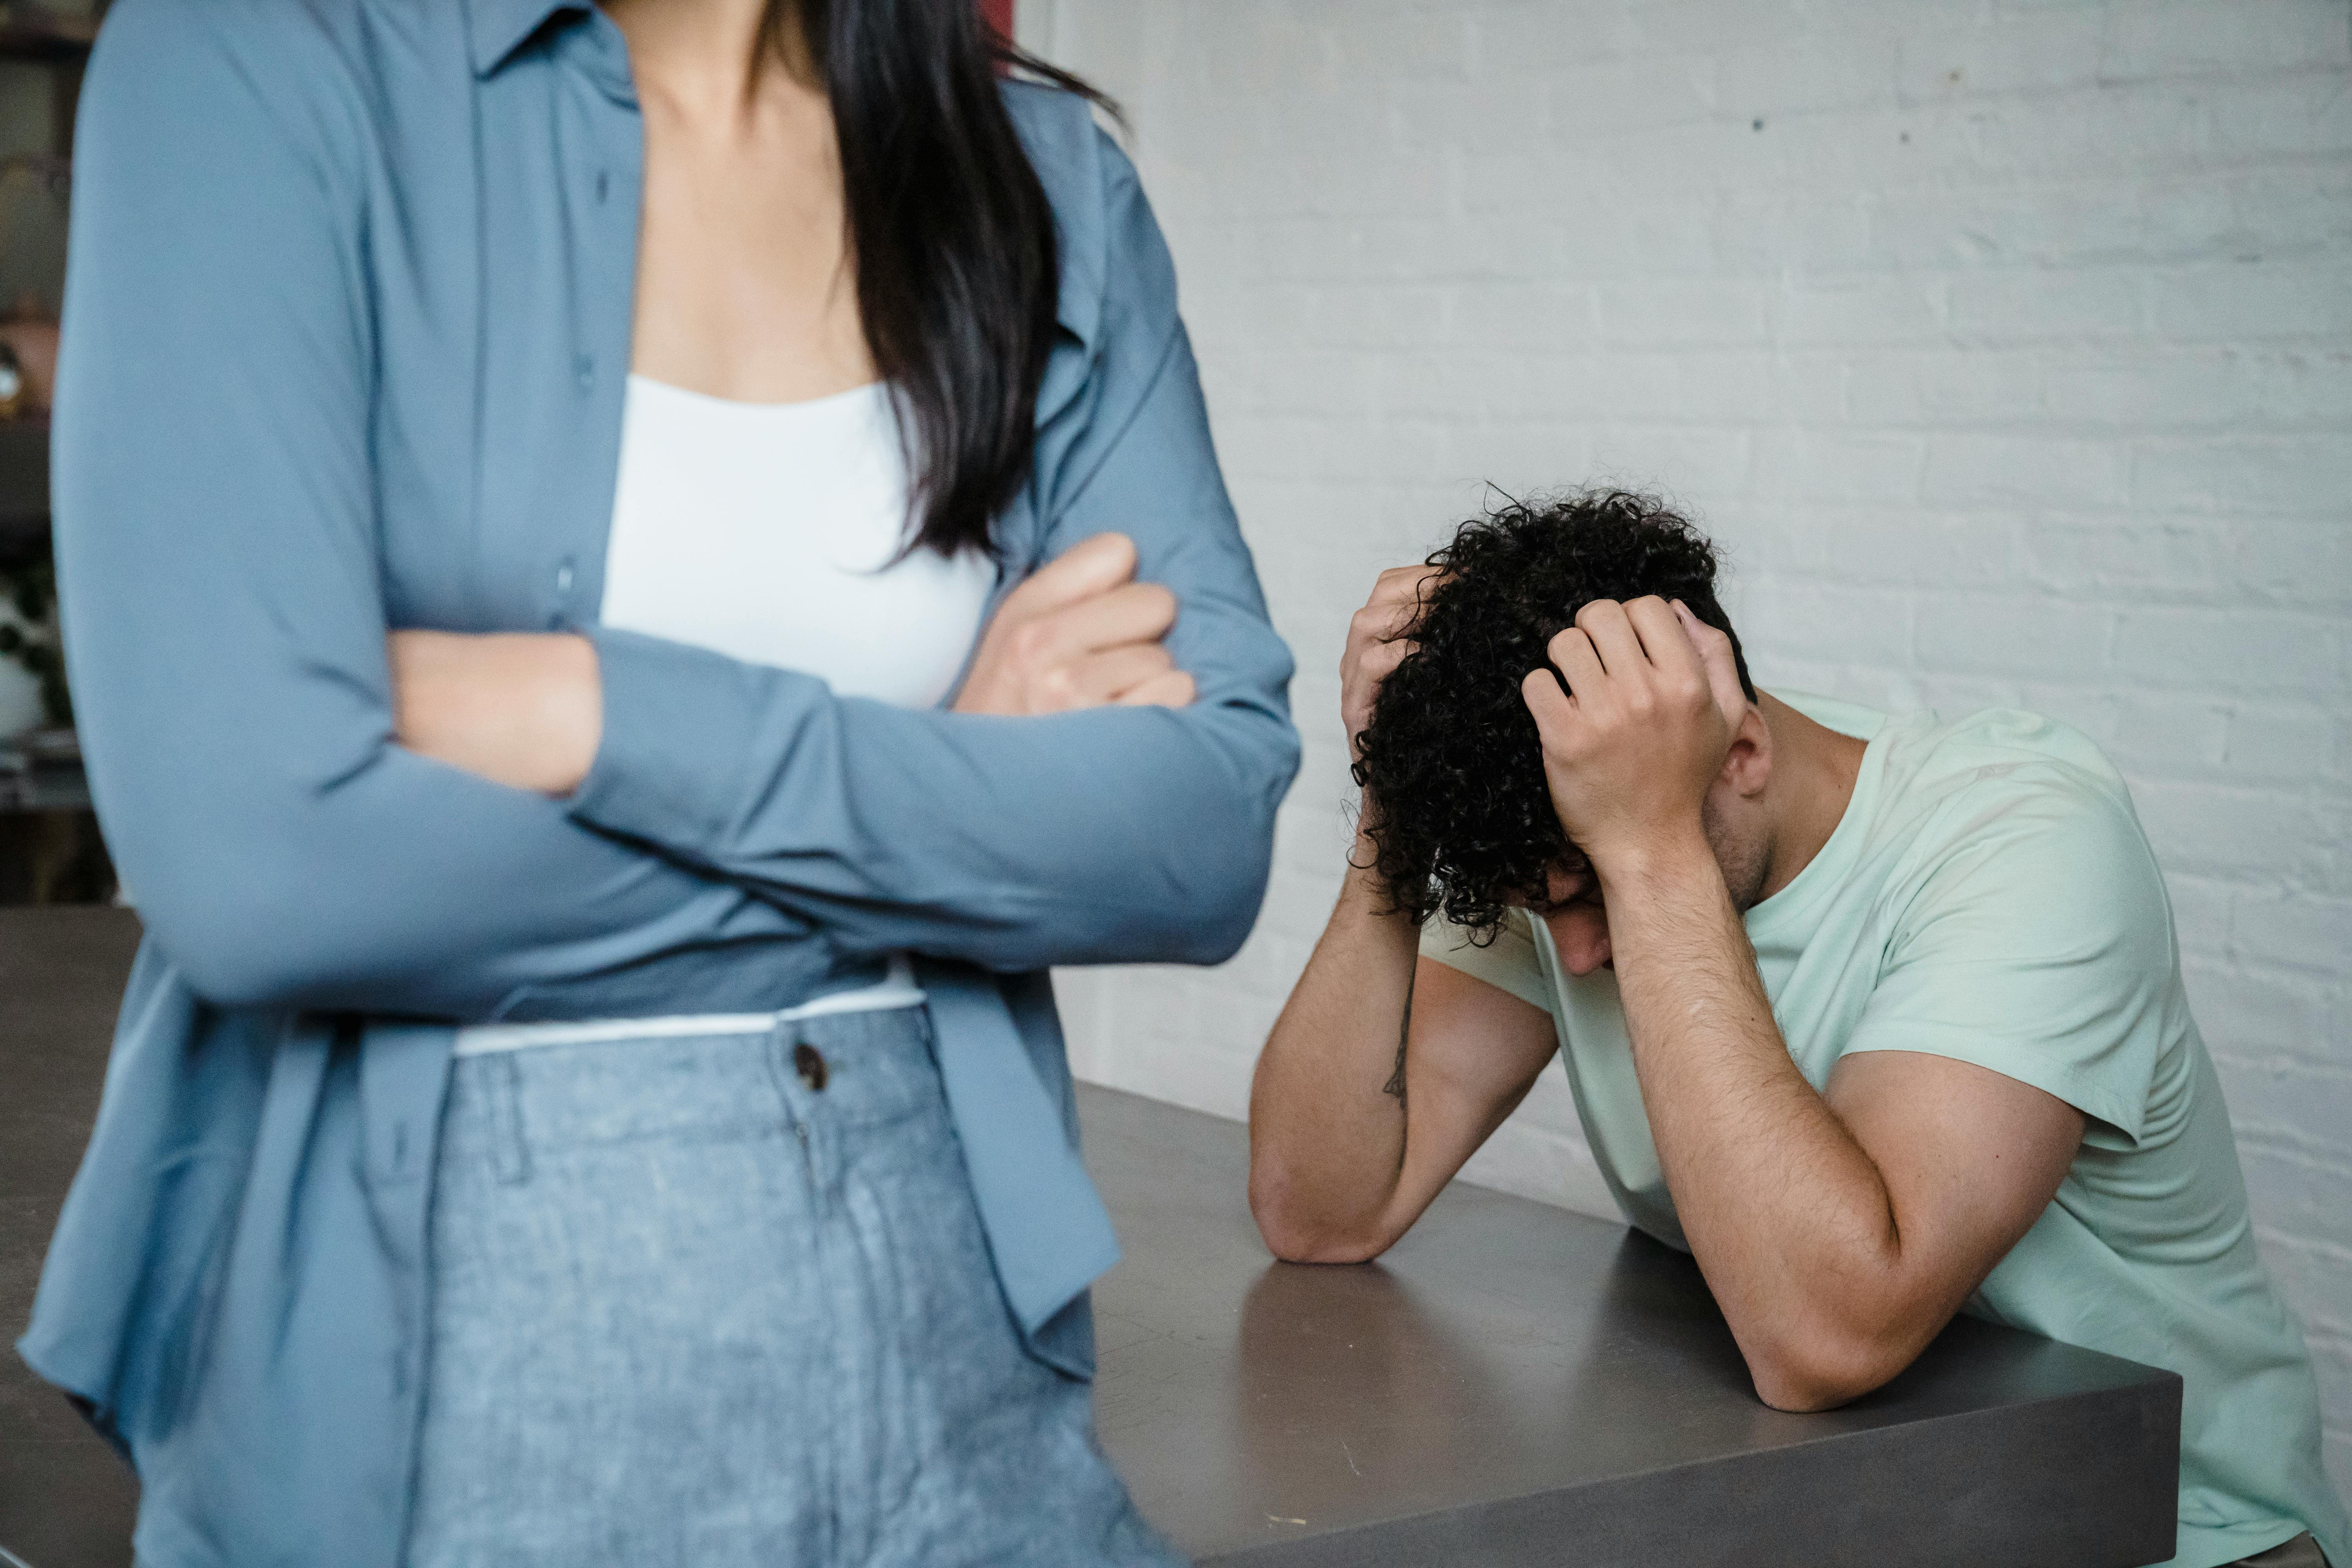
[218, 550]
[1509, 962]
[2038, 945]
[1113, 835]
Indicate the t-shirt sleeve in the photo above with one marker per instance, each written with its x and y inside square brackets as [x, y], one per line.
[2038, 945]
[1509, 963]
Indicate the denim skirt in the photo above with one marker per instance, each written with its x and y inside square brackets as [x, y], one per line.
[725, 1301]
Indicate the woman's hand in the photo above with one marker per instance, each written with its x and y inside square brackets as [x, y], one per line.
[1080, 632]
[524, 710]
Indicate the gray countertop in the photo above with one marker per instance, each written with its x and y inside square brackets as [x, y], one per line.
[1512, 1384]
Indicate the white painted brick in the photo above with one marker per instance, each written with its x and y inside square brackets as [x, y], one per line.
[1611, 100]
[2125, 557]
[1536, 319]
[2243, 650]
[1914, 388]
[2011, 307]
[2160, 734]
[1779, 615]
[2034, 52]
[2198, 37]
[1728, 387]
[2306, 388]
[2293, 929]
[1842, 466]
[1837, 541]
[2030, 385]
[2304, 115]
[1972, 471]
[2259, 1024]
[1809, 75]
[2304, 562]
[1644, 313]
[2276, 1098]
[2255, 299]
[2122, 130]
[2001, 636]
[2289, 745]
[2205, 391]
[2221, 828]
[1873, 311]
[2200, 913]
[2296, 1188]
[1684, 463]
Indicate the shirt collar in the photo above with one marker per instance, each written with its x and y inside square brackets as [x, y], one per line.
[499, 28]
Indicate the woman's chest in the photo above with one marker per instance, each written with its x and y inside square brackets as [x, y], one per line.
[501, 256]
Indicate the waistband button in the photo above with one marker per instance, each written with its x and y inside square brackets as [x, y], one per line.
[810, 1065]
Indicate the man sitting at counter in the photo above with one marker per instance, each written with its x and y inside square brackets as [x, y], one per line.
[1880, 1017]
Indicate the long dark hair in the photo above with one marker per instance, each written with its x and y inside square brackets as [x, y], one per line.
[952, 236]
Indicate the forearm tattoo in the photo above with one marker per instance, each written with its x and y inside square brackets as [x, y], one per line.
[1395, 1084]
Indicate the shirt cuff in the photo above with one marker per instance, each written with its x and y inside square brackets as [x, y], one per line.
[676, 720]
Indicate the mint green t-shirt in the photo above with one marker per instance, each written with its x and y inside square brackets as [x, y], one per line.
[1989, 896]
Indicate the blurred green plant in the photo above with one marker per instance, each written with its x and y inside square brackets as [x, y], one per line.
[31, 590]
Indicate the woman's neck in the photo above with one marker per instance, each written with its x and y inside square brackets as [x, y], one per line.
[710, 57]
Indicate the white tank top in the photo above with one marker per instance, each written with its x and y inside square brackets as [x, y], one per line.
[768, 533]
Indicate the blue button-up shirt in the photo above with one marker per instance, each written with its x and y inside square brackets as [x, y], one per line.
[348, 327]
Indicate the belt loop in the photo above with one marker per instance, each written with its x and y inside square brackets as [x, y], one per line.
[510, 1150]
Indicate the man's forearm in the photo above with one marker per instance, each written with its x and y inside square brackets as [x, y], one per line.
[1327, 1107]
[1788, 1216]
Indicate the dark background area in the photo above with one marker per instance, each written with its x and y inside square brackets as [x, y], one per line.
[51, 848]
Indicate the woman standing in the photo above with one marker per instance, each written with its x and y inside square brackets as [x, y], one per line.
[550, 504]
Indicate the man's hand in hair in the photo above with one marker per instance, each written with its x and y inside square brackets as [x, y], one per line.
[1651, 703]
[1377, 642]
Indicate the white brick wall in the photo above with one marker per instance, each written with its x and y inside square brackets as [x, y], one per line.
[2006, 346]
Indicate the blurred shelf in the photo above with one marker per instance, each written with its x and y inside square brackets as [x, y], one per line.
[29, 32]
[23, 489]
[41, 771]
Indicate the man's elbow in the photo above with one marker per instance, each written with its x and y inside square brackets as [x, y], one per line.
[1811, 1372]
[1297, 1232]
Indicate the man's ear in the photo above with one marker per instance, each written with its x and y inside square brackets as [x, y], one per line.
[1748, 766]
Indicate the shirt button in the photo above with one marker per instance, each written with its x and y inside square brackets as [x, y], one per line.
[810, 1066]
[603, 184]
[584, 369]
[564, 581]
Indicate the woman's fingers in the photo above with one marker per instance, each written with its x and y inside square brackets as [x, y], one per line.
[1110, 675]
[1079, 633]
[1173, 690]
[1138, 612]
[1090, 567]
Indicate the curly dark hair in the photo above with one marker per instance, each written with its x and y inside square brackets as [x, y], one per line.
[1465, 823]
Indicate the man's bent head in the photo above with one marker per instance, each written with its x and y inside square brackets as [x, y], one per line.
[1464, 821]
